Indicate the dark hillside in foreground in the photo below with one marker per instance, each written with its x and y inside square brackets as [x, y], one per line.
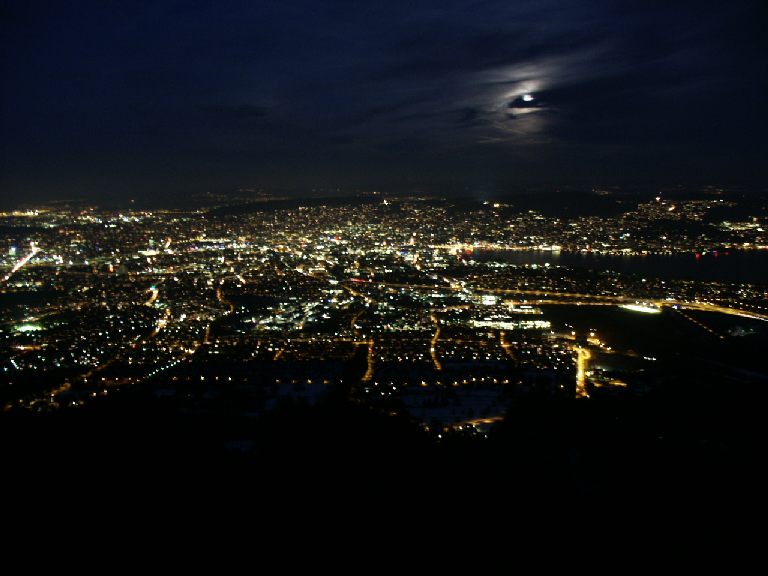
[694, 440]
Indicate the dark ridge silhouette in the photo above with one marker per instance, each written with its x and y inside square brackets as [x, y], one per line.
[287, 203]
[693, 439]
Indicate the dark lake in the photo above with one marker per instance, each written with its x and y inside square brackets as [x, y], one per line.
[736, 266]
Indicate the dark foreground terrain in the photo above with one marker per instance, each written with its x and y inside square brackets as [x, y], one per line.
[694, 443]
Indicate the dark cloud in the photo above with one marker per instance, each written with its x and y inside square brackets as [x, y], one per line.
[213, 95]
[468, 116]
[240, 112]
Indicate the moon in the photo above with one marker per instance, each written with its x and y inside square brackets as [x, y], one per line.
[527, 98]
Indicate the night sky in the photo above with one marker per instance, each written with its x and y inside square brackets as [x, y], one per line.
[145, 99]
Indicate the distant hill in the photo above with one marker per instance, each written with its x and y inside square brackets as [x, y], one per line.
[288, 203]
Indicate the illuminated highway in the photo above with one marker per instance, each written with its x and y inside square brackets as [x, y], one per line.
[23, 262]
[707, 307]
[582, 360]
[369, 359]
[222, 299]
[353, 323]
[506, 346]
[432, 344]
[153, 296]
